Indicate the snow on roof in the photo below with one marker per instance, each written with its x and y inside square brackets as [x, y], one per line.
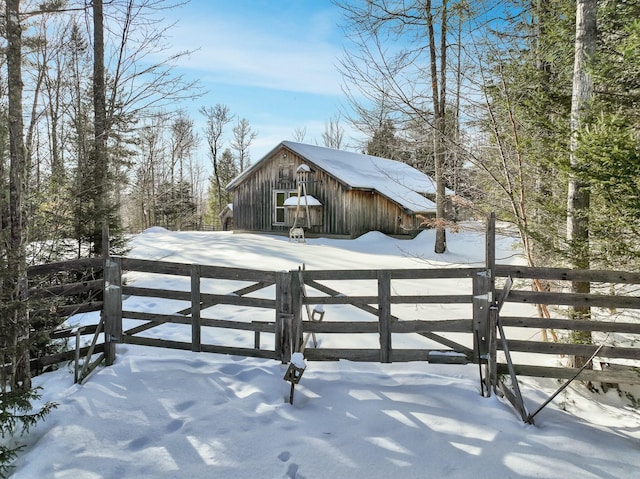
[395, 180]
[304, 200]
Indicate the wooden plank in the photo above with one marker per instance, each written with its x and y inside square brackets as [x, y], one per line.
[87, 360]
[68, 332]
[349, 327]
[384, 315]
[238, 292]
[112, 307]
[568, 349]
[81, 264]
[367, 355]
[569, 324]
[513, 394]
[245, 352]
[184, 269]
[563, 274]
[335, 354]
[491, 374]
[69, 309]
[447, 357]
[156, 293]
[158, 267]
[43, 361]
[439, 325]
[614, 376]
[416, 299]
[239, 300]
[448, 343]
[432, 299]
[374, 311]
[238, 274]
[68, 289]
[196, 327]
[574, 299]
[401, 327]
[490, 253]
[481, 301]
[93, 365]
[284, 316]
[155, 319]
[205, 297]
[206, 348]
[514, 400]
[372, 274]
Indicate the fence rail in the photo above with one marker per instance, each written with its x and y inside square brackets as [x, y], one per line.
[482, 335]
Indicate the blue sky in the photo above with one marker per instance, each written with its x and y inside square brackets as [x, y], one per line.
[273, 62]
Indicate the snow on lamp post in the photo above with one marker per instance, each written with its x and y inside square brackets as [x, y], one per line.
[294, 372]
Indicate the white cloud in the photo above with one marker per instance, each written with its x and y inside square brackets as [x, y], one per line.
[269, 57]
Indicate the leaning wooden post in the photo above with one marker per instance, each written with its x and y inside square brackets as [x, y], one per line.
[112, 308]
[384, 315]
[196, 326]
[284, 316]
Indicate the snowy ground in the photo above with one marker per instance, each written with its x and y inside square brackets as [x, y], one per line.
[159, 413]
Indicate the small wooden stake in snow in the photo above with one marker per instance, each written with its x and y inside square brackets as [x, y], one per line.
[294, 372]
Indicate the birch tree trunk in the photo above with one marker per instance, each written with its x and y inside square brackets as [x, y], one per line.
[18, 319]
[578, 190]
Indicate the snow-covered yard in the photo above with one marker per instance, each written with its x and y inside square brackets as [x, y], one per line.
[160, 413]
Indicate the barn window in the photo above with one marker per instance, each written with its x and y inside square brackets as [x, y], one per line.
[285, 172]
[279, 197]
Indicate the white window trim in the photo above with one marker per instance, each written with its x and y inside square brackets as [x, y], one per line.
[289, 194]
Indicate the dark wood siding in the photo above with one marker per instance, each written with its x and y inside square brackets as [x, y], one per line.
[345, 212]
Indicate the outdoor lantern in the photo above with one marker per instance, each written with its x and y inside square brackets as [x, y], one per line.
[294, 372]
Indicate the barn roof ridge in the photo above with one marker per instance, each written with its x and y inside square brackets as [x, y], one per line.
[399, 182]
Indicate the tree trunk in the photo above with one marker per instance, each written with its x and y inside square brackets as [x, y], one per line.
[439, 89]
[100, 164]
[18, 319]
[578, 189]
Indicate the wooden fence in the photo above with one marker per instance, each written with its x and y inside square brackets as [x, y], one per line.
[275, 310]
[56, 292]
[289, 325]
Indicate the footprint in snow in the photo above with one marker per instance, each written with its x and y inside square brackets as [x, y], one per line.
[284, 456]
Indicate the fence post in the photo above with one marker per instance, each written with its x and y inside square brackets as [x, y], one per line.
[384, 315]
[112, 308]
[491, 253]
[284, 316]
[296, 309]
[481, 302]
[196, 326]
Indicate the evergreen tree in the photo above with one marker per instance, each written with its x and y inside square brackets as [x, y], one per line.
[227, 170]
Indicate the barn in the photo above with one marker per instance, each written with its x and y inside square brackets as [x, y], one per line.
[330, 192]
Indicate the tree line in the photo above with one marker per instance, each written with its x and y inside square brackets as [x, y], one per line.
[87, 134]
[528, 108]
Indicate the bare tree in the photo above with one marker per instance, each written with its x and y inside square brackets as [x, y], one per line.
[299, 134]
[398, 76]
[333, 133]
[184, 140]
[243, 136]
[183, 143]
[152, 152]
[217, 118]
